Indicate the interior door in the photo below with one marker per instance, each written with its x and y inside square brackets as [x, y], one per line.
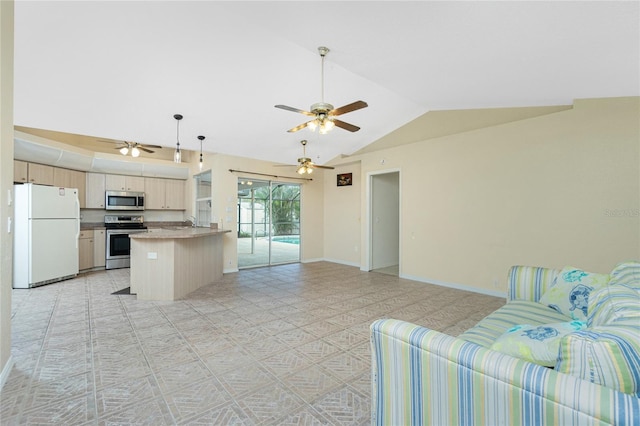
[385, 223]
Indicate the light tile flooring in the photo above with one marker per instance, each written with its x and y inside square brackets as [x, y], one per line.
[282, 345]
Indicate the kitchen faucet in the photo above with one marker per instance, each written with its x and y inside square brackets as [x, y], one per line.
[193, 221]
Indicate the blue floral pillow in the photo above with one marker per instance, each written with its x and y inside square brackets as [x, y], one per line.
[569, 294]
[539, 344]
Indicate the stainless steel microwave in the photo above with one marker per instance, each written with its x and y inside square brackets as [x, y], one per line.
[124, 200]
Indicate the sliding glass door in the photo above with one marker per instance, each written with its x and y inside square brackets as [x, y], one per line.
[268, 223]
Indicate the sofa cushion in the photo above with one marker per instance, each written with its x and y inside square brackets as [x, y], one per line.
[614, 305]
[539, 344]
[513, 313]
[626, 273]
[607, 355]
[569, 295]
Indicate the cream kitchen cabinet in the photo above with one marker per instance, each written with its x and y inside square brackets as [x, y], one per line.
[20, 171]
[41, 174]
[85, 248]
[125, 183]
[96, 186]
[71, 179]
[99, 247]
[164, 194]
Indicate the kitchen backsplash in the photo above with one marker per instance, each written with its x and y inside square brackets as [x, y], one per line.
[97, 216]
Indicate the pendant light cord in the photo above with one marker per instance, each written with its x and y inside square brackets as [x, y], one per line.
[178, 136]
[322, 79]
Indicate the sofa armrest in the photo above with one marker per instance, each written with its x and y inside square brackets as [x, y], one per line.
[529, 282]
[421, 376]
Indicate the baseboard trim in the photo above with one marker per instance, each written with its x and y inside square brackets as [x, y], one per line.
[341, 262]
[456, 286]
[6, 371]
[229, 271]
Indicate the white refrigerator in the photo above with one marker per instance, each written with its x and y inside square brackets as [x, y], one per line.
[47, 227]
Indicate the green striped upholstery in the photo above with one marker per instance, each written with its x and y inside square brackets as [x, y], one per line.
[513, 313]
[422, 377]
[607, 355]
[626, 273]
[614, 305]
[529, 282]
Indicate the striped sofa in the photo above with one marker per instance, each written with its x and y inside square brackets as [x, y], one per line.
[421, 376]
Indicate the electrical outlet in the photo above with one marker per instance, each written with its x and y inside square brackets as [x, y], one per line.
[496, 283]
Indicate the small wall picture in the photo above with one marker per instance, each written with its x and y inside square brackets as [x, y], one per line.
[345, 179]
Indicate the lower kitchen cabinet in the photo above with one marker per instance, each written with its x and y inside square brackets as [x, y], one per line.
[99, 248]
[92, 247]
[85, 248]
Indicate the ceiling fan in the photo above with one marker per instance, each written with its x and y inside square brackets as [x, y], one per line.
[324, 114]
[305, 165]
[133, 147]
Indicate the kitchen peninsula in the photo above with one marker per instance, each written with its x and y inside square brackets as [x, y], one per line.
[169, 263]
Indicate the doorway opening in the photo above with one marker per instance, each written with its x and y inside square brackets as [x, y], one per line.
[384, 219]
[268, 223]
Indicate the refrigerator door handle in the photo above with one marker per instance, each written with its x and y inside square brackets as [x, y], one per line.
[78, 224]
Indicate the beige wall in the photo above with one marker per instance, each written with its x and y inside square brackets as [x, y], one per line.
[560, 189]
[224, 201]
[342, 214]
[6, 182]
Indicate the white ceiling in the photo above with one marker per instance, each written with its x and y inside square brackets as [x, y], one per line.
[121, 70]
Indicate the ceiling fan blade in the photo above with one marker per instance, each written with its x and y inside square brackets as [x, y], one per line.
[285, 165]
[317, 166]
[348, 108]
[288, 108]
[346, 126]
[299, 127]
[150, 146]
[142, 148]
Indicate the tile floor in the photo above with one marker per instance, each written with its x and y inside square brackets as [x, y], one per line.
[282, 345]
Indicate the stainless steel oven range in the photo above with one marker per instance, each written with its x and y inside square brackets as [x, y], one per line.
[118, 244]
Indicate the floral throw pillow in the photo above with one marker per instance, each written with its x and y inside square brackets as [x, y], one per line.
[569, 295]
[539, 344]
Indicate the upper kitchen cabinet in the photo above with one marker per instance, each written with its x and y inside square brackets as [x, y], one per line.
[71, 179]
[20, 171]
[36, 173]
[96, 187]
[125, 183]
[164, 194]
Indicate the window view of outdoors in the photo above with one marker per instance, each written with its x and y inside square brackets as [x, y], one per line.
[268, 223]
[203, 199]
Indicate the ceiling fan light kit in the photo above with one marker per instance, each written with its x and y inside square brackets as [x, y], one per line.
[177, 155]
[305, 165]
[324, 114]
[134, 148]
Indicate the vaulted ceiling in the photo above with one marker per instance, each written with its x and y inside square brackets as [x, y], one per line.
[121, 70]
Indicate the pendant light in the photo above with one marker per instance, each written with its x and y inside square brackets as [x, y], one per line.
[200, 164]
[177, 156]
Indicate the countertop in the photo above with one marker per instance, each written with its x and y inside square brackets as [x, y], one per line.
[177, 232]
